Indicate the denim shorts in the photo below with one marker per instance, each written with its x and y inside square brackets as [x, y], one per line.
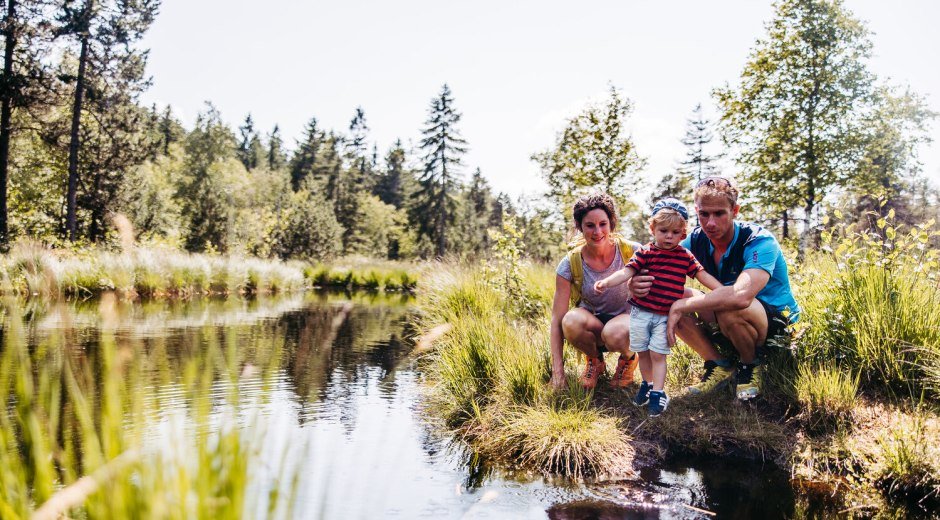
[648, 331]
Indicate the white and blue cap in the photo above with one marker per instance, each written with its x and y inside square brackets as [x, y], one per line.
[673, 204]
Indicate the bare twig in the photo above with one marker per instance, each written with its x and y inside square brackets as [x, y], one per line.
[75, 494]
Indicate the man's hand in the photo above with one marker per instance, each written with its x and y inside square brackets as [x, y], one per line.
[600, 286]
[671, 322]
[641, 283]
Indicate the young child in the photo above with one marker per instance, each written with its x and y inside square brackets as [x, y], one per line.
[669, 263]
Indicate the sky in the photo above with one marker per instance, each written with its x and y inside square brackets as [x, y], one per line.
[517, 69]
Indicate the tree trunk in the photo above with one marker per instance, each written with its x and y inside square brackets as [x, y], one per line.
[5, 116]
[70, 217]
[786, 224]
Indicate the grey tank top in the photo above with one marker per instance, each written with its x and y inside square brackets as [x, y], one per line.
[614, 299]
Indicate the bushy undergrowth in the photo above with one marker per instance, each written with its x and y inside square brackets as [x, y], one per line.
[872, 304]
[489, 374]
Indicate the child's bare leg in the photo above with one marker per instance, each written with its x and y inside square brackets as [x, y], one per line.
[646, 367]
[658, 369]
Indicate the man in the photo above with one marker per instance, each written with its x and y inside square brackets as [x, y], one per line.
[754, 307]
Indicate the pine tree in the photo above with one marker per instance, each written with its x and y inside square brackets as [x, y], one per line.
[250, 150]
[443, 147]
[394, 184]
[276, 156]
[697, 165]
[303, 162]
[23, 53]
[111, 71]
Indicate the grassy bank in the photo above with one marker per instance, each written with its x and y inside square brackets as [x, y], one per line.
[33, 270]
[852, 403]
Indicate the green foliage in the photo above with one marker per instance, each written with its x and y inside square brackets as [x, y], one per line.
[306, 228]
[594, 151]
[827, 395]
[909, 465]
[211, 182]
[504, 273]
[148, 197]
[796, 115]
[872, 307]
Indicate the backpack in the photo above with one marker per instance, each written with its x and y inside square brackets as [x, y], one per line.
[577, 266]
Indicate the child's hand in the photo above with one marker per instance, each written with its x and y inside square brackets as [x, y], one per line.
[600, 286]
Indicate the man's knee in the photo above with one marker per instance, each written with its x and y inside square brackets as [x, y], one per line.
[686, 325]
[740, 324]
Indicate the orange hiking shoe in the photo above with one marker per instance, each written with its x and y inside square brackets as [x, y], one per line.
[626, 368]
[592, 372]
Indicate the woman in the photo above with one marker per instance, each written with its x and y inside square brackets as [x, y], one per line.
[593, 322]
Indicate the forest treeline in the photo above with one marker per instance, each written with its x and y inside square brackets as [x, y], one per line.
[808, 129]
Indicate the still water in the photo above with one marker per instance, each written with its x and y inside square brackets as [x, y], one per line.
[332, 394]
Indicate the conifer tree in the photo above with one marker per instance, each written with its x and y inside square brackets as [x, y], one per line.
[250, 150]
[443, 147]
[394, 185]
[24, 49]
[305, 158]
[111, 70]
[697, 165]
[276, 156]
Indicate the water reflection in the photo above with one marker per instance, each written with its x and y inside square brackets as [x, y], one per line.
[326, 385]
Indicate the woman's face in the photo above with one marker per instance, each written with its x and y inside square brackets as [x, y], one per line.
[596, 227]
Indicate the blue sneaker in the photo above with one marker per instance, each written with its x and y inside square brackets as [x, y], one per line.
[659, 401]
[643, 395]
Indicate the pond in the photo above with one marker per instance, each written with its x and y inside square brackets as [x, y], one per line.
[329, 395]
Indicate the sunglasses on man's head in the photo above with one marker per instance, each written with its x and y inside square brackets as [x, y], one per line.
[715, 182]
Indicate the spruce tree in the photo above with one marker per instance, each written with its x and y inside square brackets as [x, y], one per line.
[697, 165]
[394, 184]
[303, 162]
[442, 147]
[276, 156]
[250, 150]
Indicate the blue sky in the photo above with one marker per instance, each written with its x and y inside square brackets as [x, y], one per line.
[517, 69]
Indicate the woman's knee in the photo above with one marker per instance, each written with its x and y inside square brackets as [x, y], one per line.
[574, 323]
[616, 335]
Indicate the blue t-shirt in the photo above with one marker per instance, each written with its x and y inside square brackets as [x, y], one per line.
[763, 252]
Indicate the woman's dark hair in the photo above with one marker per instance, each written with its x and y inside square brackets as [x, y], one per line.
[592, 201]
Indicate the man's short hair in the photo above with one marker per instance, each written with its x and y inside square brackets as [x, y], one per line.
[716, 186]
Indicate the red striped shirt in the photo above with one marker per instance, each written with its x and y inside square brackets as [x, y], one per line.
[669, 267]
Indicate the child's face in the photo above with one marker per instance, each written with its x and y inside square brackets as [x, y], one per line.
[667, 237]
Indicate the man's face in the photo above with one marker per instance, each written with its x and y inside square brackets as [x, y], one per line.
[716, 216]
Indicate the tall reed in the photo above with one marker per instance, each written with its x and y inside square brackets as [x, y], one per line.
[80, 438]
